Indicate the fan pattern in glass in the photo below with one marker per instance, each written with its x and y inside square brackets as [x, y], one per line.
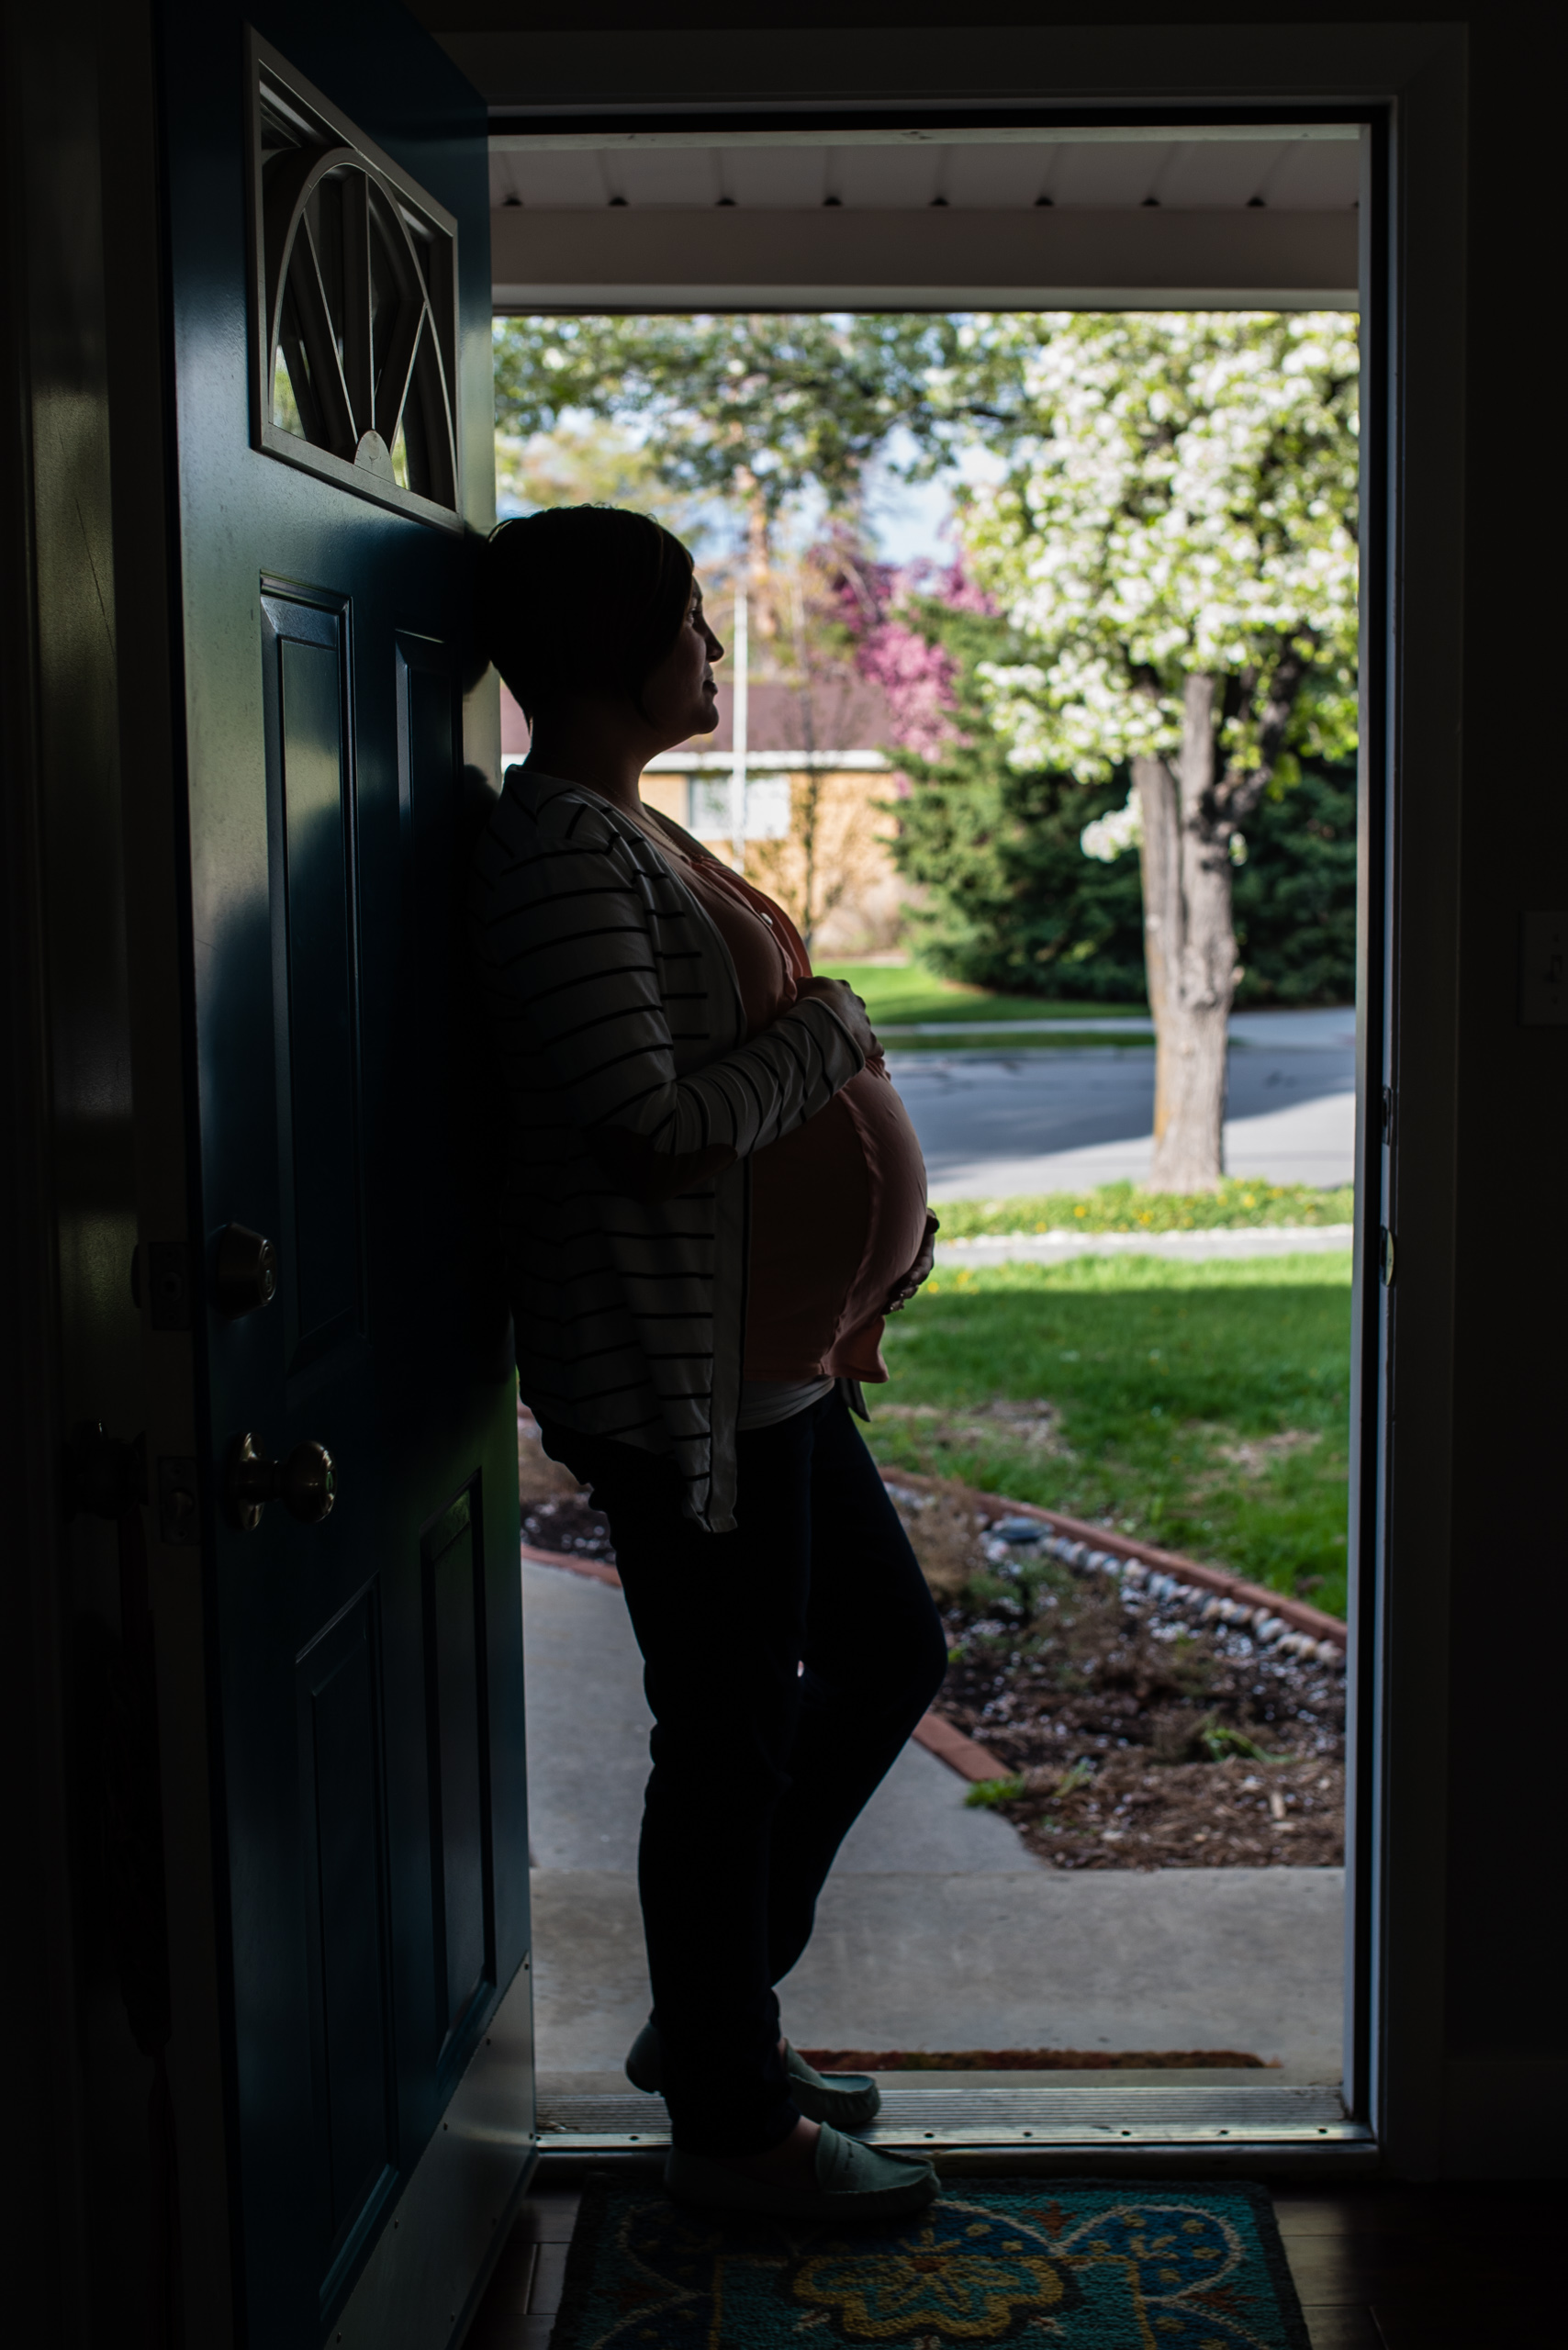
[354, 284]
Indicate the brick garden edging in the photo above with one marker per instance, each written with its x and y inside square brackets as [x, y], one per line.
[966, 1755]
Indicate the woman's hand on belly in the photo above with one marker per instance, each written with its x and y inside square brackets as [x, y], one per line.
[845, 1006]
[919, 1272]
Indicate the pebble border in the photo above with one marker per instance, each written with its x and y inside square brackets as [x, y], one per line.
[1285, 1627]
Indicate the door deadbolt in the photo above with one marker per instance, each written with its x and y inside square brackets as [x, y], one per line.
[305, 1482]
[245, 1276]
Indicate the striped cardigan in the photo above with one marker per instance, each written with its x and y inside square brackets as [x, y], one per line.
[614, 1006]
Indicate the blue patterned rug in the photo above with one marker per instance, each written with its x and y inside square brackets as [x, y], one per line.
[1076, 2265]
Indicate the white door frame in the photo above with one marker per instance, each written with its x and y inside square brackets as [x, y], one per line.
[1408, 84]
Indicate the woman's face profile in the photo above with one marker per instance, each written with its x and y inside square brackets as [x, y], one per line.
[679, 695]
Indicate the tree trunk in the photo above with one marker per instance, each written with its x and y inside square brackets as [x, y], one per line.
[1190, 949]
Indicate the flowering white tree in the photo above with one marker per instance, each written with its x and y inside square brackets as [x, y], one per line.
[1176, 535]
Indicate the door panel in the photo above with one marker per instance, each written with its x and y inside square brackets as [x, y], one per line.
[315, 983]
[344, 1842]
[328, 210]
[455, 1729]
[428, 723]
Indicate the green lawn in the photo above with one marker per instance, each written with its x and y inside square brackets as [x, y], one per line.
[895, 994]
[1201, 1406]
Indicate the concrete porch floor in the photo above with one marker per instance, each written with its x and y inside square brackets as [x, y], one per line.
[937, 1928]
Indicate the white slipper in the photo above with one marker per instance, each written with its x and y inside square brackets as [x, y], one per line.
[854, 2183]
[846, 2100]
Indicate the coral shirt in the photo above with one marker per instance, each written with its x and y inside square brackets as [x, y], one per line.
[838, 1206]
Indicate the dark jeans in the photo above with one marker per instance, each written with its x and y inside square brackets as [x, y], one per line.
[759, 1769]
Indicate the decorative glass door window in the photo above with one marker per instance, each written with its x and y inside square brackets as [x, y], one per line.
[354, 323]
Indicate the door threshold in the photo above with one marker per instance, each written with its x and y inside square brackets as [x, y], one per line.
[964, 2119]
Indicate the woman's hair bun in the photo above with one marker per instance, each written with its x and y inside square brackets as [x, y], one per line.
[579, 599]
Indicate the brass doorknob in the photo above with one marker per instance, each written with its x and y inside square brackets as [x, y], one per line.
[245, 1272]
[305, 1482]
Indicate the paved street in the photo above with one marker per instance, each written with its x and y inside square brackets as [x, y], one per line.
[937, 1928]
[995, 1125]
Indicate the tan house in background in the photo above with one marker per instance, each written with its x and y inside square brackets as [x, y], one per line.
[817, 826]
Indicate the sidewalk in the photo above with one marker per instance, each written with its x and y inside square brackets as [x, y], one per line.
[1188, 1248]
[937, 1929]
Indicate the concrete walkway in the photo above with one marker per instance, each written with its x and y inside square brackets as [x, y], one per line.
[1184, 1248]
[937, 1929]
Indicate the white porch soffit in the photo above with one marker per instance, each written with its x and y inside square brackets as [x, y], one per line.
[1228, 216]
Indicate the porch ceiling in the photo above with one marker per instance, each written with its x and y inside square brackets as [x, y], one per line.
[1226, 216]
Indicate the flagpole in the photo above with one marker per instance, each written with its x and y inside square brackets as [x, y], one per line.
[737, 771]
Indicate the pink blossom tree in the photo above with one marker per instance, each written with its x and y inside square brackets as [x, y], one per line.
[918, 677]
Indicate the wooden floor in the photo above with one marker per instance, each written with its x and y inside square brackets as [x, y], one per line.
[520, 2307]
[1376, 2267]
[1428, 2267]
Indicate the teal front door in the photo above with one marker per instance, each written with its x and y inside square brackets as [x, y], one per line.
[328, 266]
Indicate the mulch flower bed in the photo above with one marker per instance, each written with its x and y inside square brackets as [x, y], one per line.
[1127, 1735]
[567, 1522]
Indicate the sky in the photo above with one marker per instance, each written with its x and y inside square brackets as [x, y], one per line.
[910, 521]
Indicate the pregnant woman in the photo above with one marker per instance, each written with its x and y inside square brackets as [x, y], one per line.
[713, 1196]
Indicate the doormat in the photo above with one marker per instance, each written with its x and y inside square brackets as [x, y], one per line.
[1033, 2060]
[1107, 2265]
